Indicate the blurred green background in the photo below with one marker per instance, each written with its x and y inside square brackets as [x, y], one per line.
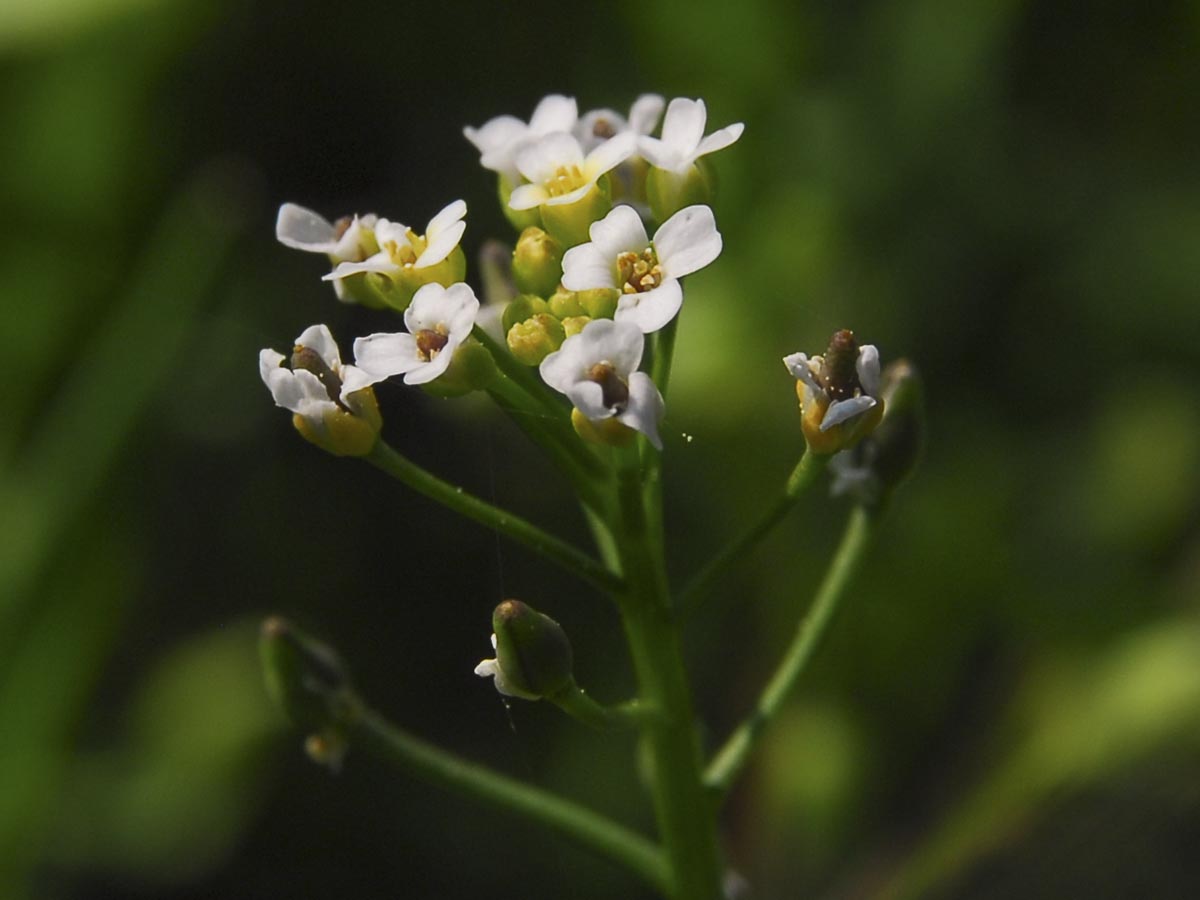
[1005, 192]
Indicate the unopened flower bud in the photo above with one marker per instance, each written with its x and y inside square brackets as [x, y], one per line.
[533, 656]
[564, 304]
[537, 263]
[522, 307]
[668, 192]
[495, 273]
[599, 303]
[572, 325]
[536, 338]
[305, 677]
[569, 223]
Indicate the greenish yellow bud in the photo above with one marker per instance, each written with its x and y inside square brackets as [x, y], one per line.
[305, 677]
[564, 303]
[569, 223]
[599, 303]
[668, 192]
[533, 653]
[351, 429]
[522, 307]
[520, 218]
[608, 432]
[495, 273]
[471, 369]
[572, 325]
[536, 338]
[537, 263]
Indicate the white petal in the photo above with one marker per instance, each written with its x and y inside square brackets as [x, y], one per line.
[620, 231]
[319, 338]
[585, 267]
[428, 371]
[683, 126]
[527, 196]
[441, 246]
[687, 241]
[798, 365]
[495, 134]
[554, 113]
[867, 366]
[573, 197]
[660, 154]
[268, 361]
[619, 343]
[451, 214]
[487, 668]
[383, 355]
[462, 308]
[718, 140]
[651, 310]
[645, 407]
[841, 410]
[538, 160]
[380, 262]
[588, 398]
[355, 379]
[303, 229]
[564, 366]
[433, 306]
[644, 113]
[609, 155]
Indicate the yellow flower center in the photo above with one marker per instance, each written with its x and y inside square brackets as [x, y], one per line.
[406, 254]
[564, 180]
[638, 272]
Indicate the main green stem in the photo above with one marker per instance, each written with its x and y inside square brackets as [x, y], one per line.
[370, 730]
[732, 757]
[686, 817]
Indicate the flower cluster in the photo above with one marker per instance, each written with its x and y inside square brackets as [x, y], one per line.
[588, 282]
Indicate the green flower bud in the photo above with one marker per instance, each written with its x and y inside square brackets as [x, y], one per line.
[522, 307]
[366, 288]
[599, 303]
[305, 677]
[564, 304]
[537, 263]
[668, 192]
[520, 219]
[569, 223]
[471, 369]
[572, 325]
[533, 656]
[536, 338]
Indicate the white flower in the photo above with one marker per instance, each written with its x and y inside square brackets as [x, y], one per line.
[596, 369]
[349, 239]
[560, 174]
[840, 402]
[499, 139]
[438, 321]
[490, 668]
[402, 250]
[683, 141]
[599, 125]
[323, 386]
[620, 256]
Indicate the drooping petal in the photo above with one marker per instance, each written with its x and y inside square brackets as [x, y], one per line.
[554, 112]
[588, 397]
[440, 246]
[645, 407]
[586, 267]
[618, 232]
[609, 155]
[268, 361]
[380, 262]
[718, 140]
[355, 379]
[683, 125]
[687, 241]
[651, 310]
[798, 365]
[645, 112]
[528, 196]
[867, 367]
[303, 229]
[319, 338]
[841, 410]
[382, 355]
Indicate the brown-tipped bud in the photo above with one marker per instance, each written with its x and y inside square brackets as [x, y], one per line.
[533, 656]
[305, 677]
[537, 263]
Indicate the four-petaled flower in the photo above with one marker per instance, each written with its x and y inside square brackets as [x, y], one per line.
[597, 370]
[349, 239]
[438, 321]
[683, 141]
[498, 140]
[331, 408]
[647, 274]
[560, 174]
[402, 250]
[839, 393]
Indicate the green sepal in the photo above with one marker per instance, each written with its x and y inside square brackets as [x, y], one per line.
[532, 650]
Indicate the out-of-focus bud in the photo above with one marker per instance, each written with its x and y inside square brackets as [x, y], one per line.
[572, 325]
[305, 677]
[537, 263]
[564, 304]
[520, 219]
[522, 307]
[569, 223]
[536, 338]
[599, 303]
[533, 656]
[495, 273]
[668, 192]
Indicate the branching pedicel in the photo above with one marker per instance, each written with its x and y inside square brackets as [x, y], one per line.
[589, 299]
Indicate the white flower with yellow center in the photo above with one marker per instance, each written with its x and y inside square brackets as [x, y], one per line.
[438, 321]
[683, 140]
[646, 272]
[403, 250]
[498, 140]
[349, 239]
[597, 370]
[559, 173]
[839, 392]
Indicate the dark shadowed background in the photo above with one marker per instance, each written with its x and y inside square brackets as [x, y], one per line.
[1005, 192]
